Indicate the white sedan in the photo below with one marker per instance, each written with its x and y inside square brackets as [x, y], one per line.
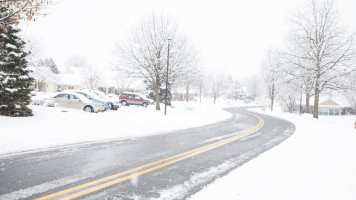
[77, 101]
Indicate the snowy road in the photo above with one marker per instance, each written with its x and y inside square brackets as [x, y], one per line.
[167, 166]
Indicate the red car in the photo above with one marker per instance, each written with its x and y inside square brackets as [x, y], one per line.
[128, 98]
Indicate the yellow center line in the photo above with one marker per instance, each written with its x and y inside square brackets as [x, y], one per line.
[196, 151]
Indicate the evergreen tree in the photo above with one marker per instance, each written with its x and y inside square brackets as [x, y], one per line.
[14, 75]
[48, 62]
[162, 94]
[51, 64]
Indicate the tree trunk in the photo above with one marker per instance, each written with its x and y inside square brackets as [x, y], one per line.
[199, 95]
[214, 99]
[272, 103]
[316, 102]
[187, 90]
[307, 97]
[157, 98]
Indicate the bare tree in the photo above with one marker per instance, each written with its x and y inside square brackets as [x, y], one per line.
[350, 92]
[216, 84]
[12, 11]
[41, 72]
[123, 82]
[289, 91]
[324, 50]
[77, 61]
[91, 77]
[189, 77]
[271, 73]
[252, 86]
[145, 53]
[200, 82]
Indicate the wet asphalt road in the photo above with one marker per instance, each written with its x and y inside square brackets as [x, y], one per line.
[33, 175]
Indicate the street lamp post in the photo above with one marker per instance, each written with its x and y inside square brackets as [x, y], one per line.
[165, 99]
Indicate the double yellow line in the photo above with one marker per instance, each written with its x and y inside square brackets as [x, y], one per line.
[105, 182]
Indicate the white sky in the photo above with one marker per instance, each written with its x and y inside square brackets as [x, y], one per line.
[231, 35]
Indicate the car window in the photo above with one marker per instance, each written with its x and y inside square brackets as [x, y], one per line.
[131, 96]
[71, 96]
[84, 94]
[62, 96]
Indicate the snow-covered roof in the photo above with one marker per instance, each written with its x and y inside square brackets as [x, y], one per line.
[74, 76]
[337, 101]
[71, 79]
[71, 76]
[107, 78]
[138, 84]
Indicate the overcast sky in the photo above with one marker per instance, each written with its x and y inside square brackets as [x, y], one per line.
[230, 35]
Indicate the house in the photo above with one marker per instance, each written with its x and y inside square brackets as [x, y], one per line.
[332, 106]
[181, 95]
[107, 85]
[138, 86]
[71, 79]
[46, 81]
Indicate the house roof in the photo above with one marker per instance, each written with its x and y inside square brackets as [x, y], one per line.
[72, 76]
[329, 102]
[337, 101]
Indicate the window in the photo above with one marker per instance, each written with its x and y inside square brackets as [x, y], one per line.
[62, 96]
[337, 111]
[131, 96]
[323, 111]
[73, 97]
[331, 111]
[102, 89]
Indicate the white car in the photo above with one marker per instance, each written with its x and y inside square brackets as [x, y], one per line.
[112, 102]
[76, 101]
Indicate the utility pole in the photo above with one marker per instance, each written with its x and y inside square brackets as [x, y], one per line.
[165, 99]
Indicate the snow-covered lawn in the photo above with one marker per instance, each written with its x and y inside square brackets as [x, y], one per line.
[57, 126]
[317, 162]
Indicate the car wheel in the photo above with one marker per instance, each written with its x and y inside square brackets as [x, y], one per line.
[88, 109]
[144, 104]
[124, 103]
[112, 107]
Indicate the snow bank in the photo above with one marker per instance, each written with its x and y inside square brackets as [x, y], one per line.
[316, 162]
[58, 126]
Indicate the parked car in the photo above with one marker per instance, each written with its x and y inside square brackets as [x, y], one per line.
[89, 96]
[114, 104]
[129, 98]
[76, 101]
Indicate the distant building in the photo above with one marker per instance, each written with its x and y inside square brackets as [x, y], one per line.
[47, 83]
[332, 106]
[72, 78]
[181, 95]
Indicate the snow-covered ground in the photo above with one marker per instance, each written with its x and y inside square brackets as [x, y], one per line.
[50, 127]
[317, 162]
